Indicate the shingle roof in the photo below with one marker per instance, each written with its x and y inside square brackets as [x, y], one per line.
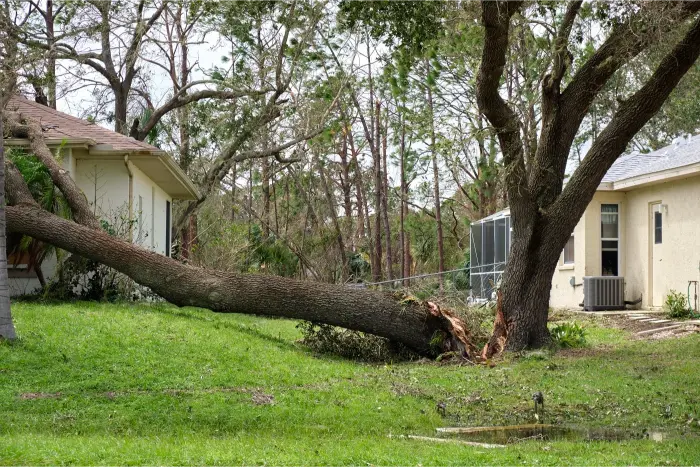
[683, 152]
[59, 125]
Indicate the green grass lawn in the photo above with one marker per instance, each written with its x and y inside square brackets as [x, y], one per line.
[136, 384]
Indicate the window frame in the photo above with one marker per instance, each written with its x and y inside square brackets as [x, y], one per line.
[658, 227]
[609, 240]
[571, 260]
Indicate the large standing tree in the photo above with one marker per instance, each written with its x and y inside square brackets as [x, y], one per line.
[544, 211]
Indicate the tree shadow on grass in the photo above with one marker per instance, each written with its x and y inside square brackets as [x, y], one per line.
[188, 313]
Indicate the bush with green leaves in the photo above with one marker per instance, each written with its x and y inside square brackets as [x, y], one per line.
[568, 335]
[79, 278]
[355, 345]
[42, 189]
[676, 305]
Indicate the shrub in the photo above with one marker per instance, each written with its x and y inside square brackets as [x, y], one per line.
[676, 305]
[568, 335]
[327, 339]
[79, 278]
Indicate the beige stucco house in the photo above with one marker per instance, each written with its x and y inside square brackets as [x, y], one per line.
[129, 183]
[642, 225]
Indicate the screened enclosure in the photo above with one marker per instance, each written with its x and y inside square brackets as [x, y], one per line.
[489, 246]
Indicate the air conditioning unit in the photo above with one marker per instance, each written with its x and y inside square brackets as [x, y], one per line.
[603, 293]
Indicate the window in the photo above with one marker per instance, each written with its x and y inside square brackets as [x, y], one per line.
[657, 227]
[609, 221]
[610, 239]
[569, 251]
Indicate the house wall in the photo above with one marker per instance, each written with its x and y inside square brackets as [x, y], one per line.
[563, 295]
[106, 186]
[23, 282]
[150, 221]
[587, 251]
[676, 260]
[678, 256]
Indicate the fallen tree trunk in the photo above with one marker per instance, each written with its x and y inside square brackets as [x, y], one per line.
[421, 326]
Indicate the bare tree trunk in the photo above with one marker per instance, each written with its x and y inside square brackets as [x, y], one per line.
[362, 204]
[404, 236]
[334, 218]
[121, 97]
[265, 188]
[436, 188]
[385, 198]
[346, 186]
[376, 156]
[7, 327]
[234, 176]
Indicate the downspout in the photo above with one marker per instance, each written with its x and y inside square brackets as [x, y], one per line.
[131, 196]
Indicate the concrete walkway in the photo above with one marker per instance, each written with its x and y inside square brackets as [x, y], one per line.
[650, 317]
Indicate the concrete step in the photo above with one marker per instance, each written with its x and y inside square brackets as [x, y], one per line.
[655, 330]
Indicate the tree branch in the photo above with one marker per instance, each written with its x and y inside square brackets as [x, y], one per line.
[562, 113]
[631, 116]
[496, 19]
[274, 151]
[16, 188]
[21, 127]
[180, 100]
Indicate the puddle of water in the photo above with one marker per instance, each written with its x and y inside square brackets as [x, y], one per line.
[515, 434]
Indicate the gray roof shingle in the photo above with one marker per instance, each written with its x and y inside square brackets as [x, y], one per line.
[683, 152]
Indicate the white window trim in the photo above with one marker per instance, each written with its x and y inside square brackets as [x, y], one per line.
[616, 239]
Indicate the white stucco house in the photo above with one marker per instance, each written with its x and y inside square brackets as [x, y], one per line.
[642, 227]
[129, 183]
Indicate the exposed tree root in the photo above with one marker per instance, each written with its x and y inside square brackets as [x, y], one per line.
[499, 337]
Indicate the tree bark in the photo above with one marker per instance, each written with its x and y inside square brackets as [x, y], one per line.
[334, 218]
[346, 187]
[404, 237]
[7, 327]
[51, 60]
